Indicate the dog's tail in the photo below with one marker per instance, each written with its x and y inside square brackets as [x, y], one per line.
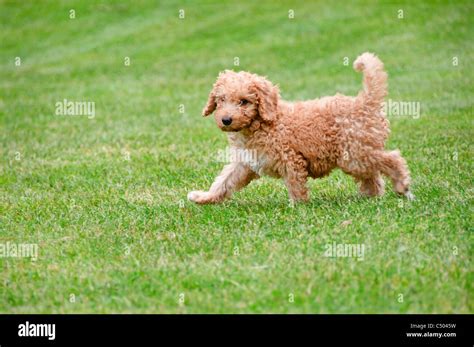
[375, 82]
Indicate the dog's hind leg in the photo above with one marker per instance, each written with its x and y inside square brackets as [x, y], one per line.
[233, 177]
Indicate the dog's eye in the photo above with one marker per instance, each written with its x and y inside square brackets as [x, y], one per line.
[243, 102]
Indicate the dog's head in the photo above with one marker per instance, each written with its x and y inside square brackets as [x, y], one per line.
[241, 99]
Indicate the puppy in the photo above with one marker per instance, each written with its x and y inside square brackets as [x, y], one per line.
[298, 140]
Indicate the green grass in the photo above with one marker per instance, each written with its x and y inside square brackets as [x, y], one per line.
[120, 236]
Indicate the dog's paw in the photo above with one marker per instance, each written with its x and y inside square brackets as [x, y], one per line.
[199, 197]
[194, 195]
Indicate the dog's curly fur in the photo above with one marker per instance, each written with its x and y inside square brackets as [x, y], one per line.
[297, 140]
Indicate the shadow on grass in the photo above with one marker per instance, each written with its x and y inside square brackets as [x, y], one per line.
[316, 201]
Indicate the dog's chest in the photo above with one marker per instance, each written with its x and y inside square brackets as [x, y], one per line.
[260, 161]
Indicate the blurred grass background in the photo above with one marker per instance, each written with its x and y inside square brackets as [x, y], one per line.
[120, 236]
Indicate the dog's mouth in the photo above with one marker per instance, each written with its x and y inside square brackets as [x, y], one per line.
[229, 129]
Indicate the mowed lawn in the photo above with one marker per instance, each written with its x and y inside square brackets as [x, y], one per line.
[104, 197]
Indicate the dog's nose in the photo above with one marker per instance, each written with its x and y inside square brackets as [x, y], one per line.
[226, 120]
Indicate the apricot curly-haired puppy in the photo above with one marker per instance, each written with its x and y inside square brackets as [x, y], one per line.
[297, 140]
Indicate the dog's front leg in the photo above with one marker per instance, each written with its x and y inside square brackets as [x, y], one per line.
[233, 177]
[296, 177]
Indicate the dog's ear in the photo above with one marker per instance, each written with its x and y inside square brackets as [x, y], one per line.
[211, 103]
[267, 98]
[212, 98]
